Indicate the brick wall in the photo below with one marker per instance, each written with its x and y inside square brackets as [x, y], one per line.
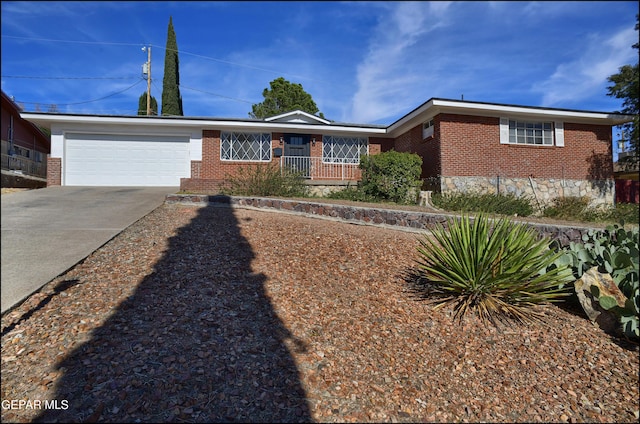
[54, 171]
[379, 145]
[210, 173]
[470, 146]
[216, 169]
[429, 149]
[465, 154]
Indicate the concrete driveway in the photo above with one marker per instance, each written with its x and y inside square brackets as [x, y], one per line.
[47, 231]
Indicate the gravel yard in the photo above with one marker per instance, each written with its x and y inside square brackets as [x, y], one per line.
[215, 314]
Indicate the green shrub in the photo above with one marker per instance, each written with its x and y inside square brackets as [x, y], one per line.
[626, 212]
[265, 180]
[355, 194]
[566, 207]
[392, 176]
[613, 250]
[503, 204]
[498, 269]
[577, 208]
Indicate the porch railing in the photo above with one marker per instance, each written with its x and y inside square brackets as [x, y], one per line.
[23, 165]
[315, 168]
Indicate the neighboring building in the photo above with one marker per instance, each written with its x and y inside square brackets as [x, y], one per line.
[465, 146]
[24, 145]
[626, 180]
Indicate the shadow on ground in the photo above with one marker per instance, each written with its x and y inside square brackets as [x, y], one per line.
[199, 341]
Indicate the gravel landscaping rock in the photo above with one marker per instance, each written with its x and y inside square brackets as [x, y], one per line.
[216, 314]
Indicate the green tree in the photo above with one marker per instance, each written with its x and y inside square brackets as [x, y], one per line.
[171, 98]
[625, 85]
[283, 97]
[142, 105]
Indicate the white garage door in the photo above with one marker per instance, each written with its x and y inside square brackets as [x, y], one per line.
[125, 160]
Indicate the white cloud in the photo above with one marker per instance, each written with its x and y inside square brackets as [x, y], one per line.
[576, 80]
[383, 77]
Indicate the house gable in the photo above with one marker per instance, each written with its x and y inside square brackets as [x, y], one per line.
[297, 116]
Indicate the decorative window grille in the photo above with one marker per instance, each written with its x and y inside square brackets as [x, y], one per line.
[254, 147]
[336, 149]
[530, 133]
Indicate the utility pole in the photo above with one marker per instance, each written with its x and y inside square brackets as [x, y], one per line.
[147, 71]
[149, 81]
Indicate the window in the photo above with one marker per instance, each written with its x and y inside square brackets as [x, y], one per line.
[21, 151]
[245, 146]
[336, 149]
[427, 129]
[531, 132]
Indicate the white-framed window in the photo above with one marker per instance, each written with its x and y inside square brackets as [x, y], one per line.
[338, 149]
[241, 146]
[521, 132]
[427, 129]
[540, 133]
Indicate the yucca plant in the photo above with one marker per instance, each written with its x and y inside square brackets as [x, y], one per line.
[498, 268]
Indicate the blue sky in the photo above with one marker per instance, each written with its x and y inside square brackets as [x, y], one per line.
[362, 62]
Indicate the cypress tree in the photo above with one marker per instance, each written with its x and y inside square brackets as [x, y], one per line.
[142, 105]
[171, 98]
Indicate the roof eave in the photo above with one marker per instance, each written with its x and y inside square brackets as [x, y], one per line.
[436, 106]
[205, 123]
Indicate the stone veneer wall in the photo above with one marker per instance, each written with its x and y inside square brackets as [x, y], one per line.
[362, 215]
[544, 190]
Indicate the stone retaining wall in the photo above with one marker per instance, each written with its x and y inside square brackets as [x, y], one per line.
[542, 190]
[407, 220]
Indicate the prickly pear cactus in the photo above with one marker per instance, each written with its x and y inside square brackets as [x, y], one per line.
[613, 251]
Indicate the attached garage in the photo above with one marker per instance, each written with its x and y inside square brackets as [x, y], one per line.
[125, 160]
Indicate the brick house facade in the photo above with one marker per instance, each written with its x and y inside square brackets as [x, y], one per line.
[465, 146]
[24, 145]
[467, 153]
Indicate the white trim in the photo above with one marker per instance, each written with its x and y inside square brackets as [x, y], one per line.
[414, 118]
[437, 106]
[559, 133]
[297, 113]
[504, 130]
[203, 124]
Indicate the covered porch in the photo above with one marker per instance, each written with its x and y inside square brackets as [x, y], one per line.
[316, 168]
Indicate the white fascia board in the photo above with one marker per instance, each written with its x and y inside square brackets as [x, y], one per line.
[179, 125]
[297, 112]
[436, 106]
[523, 111]
[408, 119]
[294, 127]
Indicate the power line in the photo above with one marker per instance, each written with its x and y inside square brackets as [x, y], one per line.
[164, 48]
[217, 95]
[123, 78]
[68, 78]
[71, 41]
[243, 65]
[84, 102]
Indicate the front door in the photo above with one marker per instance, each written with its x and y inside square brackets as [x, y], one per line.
[297, 152]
